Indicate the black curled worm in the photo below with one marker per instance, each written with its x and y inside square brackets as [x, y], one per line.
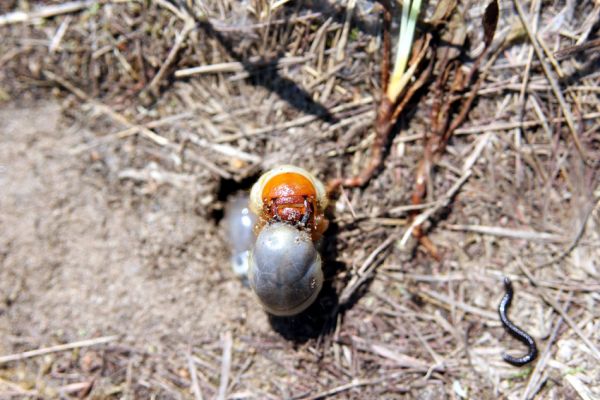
[514, 330]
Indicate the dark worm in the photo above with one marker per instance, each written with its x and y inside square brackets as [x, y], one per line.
[514, 330]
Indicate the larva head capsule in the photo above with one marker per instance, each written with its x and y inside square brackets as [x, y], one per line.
[285, 269]
[293, 195]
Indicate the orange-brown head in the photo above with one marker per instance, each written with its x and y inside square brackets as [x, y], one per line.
[290, 197]
[290, 194]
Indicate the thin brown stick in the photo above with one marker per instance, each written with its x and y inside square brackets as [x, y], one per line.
[466, 107]
[179, 41]
[387, 115]
[442, 130]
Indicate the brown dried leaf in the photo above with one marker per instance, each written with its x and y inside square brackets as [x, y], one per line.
[490, 21]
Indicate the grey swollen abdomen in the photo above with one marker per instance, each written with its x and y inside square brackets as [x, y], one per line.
[285, 269]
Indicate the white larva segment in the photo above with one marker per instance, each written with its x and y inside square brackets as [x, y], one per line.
[239, 223]
[256, 203]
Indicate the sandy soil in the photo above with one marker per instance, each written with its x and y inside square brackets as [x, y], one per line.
[81, 260]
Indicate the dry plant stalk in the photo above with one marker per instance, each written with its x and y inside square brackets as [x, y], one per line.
[449, 109]
[396, 91]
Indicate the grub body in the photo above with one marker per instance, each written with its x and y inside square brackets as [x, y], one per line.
[284, 264]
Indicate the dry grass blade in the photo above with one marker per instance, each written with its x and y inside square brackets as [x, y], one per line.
[541, 364]
[225, 365]
[502, 126]
[107, 110]
[234, 66]
[12, 390]
[340, 389]
[508, 233]
[552, 80]
[448, 302]
[443, 123]
[194, 375]
[582, 389]
[402, 360]
[560, 310]
[365, 271]
[440, 204]
[57, 348]
[179, 41]
[575, 241]
[45, 12]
